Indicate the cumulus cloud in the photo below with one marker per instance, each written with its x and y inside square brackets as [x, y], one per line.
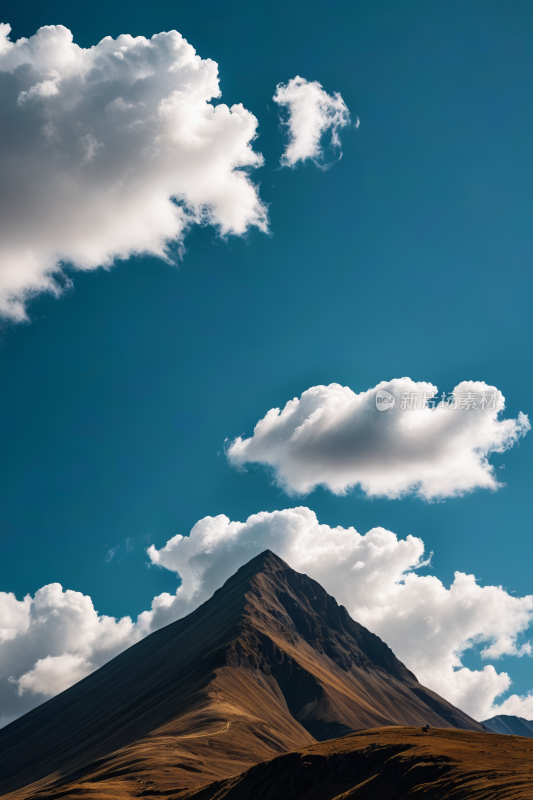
[520, 706]
[59, 637]
[52, 640]
[110, 151]
[424, 444]
[53, 674]
[312, 113]
[15, 616]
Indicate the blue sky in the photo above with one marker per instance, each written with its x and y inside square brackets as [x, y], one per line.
[410, 256]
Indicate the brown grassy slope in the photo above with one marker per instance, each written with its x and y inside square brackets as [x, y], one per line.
[390, 764]
[269, 664]
[218, 738]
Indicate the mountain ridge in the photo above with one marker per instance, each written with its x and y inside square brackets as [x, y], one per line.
[510, 724]
[390, 763]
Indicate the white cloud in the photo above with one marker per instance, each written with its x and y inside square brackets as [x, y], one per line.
[334, 437]
[53, 674]
[312, 113]
[52, 641]
[111, 553]
[429, 626]
[111, 151]
[517, 705]
[14, 618]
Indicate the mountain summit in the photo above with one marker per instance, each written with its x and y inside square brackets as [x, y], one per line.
[269, 664]
[510, 725]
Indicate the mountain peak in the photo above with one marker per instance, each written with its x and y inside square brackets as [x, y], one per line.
[271, 661]
[291, 605]
[266, 560]
[510, 724]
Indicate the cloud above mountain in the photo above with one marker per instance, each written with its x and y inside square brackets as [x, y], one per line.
[52, 640]
[111, 151]
[417, 442]
[312, 113]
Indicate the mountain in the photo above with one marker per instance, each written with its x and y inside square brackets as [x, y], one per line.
[389, 764]
[504, 723]
[269, 664]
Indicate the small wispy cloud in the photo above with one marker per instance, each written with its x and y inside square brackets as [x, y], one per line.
[110, 553]
[312, 113]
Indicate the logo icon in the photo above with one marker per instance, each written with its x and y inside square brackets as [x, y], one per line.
[384, 400]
